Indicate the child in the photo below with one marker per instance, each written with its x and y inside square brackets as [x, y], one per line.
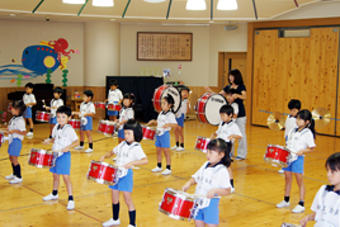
[300, 141]
[29, 101]
[125, 114]
[114, 96]
[56, 102]
[16, 131]
[212, 181]
[326, 204]
[180, 116]
[294, 107]
[87, 112]
[231, 100]
[64, 138]
[229, 132]
[129, 154]
[165, 121]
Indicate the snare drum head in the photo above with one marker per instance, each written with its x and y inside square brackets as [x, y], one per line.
[175, 94]
[212, 108]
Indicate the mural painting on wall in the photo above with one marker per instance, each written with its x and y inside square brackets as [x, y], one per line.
[38, 60]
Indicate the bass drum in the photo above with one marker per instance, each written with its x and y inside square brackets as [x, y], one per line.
[164, 90]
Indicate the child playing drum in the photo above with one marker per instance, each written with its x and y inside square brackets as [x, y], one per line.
[300, 141]
[64, 138]
[212, 181]
[129, 154]
[114, 97]
[126, 114]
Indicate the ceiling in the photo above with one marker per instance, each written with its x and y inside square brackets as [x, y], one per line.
[139, 10]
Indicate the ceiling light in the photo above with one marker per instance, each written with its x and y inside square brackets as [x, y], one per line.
[103, 3]
[227, 5]
[74, 1]
[196, 5]
[154, 1]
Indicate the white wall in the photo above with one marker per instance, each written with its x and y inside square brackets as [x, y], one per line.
[17, 35]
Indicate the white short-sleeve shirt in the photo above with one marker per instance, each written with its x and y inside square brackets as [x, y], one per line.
[29, 98]
[87, 108]
[16, 123]
[226, 129]
[127, 153]
[300, 140]
[163, 119]
[208, 178]
[326, 206]
[114, 96]
[126, 114]
[63, 136]
[290, 124]
[183, 109]
[55, 104]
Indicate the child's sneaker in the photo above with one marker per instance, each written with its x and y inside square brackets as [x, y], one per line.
[166, 172]
[47, 140]
[88, 150]
[29, 134]
[10, 177]
[282, 204]
[298, 209]
[232, 190]
[174, 148]
[111, 222]
[281, 171]
[132, 225]
[157, 169]
[50, 197]
[15, 180]
[180, 149]
[78, 148]
[70, 205]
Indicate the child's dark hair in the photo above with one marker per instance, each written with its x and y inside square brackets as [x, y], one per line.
[65, 110]
[114, 83]
[133, 125]
[220, 145]
[131, 97]
[88, 93]
[306, 115]
[29, 85]
[58, 90]
[20, 105]
[333, 162]
[237, 76]
[170, 100]
[183, 88]
[294, 104]
[227, 109]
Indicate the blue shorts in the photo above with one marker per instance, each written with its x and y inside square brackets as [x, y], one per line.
[125, 183]
[112, 113]
[210, 214]
[180, 120]
[53, 120]
[28, 112]
[62, 165]
[14, 148]
[163, 141]
[121, 133]
[88, 126]
[296, 166]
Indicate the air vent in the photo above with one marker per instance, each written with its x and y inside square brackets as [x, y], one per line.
[294, 33]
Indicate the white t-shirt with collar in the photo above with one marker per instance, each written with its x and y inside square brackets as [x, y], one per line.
[208, 178]
[300, 140]
[63, 136]
[290, 124]
[114, 96]
[326, 206]
[87, 108]
[29, 98]
[127, 153]
[55, 104]
[16, 123]
[163, 119]
[183, 109]
[126, 114]
[226, 129]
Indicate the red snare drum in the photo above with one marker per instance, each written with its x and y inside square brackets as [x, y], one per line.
[208, 108]
[42, 116]
[276, 154]
[100, 105]
[75, 123]
[178, 205]
[202, 143]
[102, 126]
[164, 90]
[114, 107]
[109, 128]
[42, 158]
[149, 133]
[102, 173]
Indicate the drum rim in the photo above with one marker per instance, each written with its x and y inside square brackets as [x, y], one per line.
[270, 160]
[176, 217]
[101, 181]
[279, 146]
[218, 110]
[166, 87]
[154, 94]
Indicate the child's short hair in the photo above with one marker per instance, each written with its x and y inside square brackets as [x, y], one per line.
[20, 105]
[333, 162]
[130, 96]
[169, 99]
[219, 145]
[294, 104]
[88, 93]
[29, 85]
[114, 83]
[65, 110]
[58, 90]
[133, 125]
[227, 109]
[183, 88]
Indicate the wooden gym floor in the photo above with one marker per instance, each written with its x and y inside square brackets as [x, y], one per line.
[258, 185]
